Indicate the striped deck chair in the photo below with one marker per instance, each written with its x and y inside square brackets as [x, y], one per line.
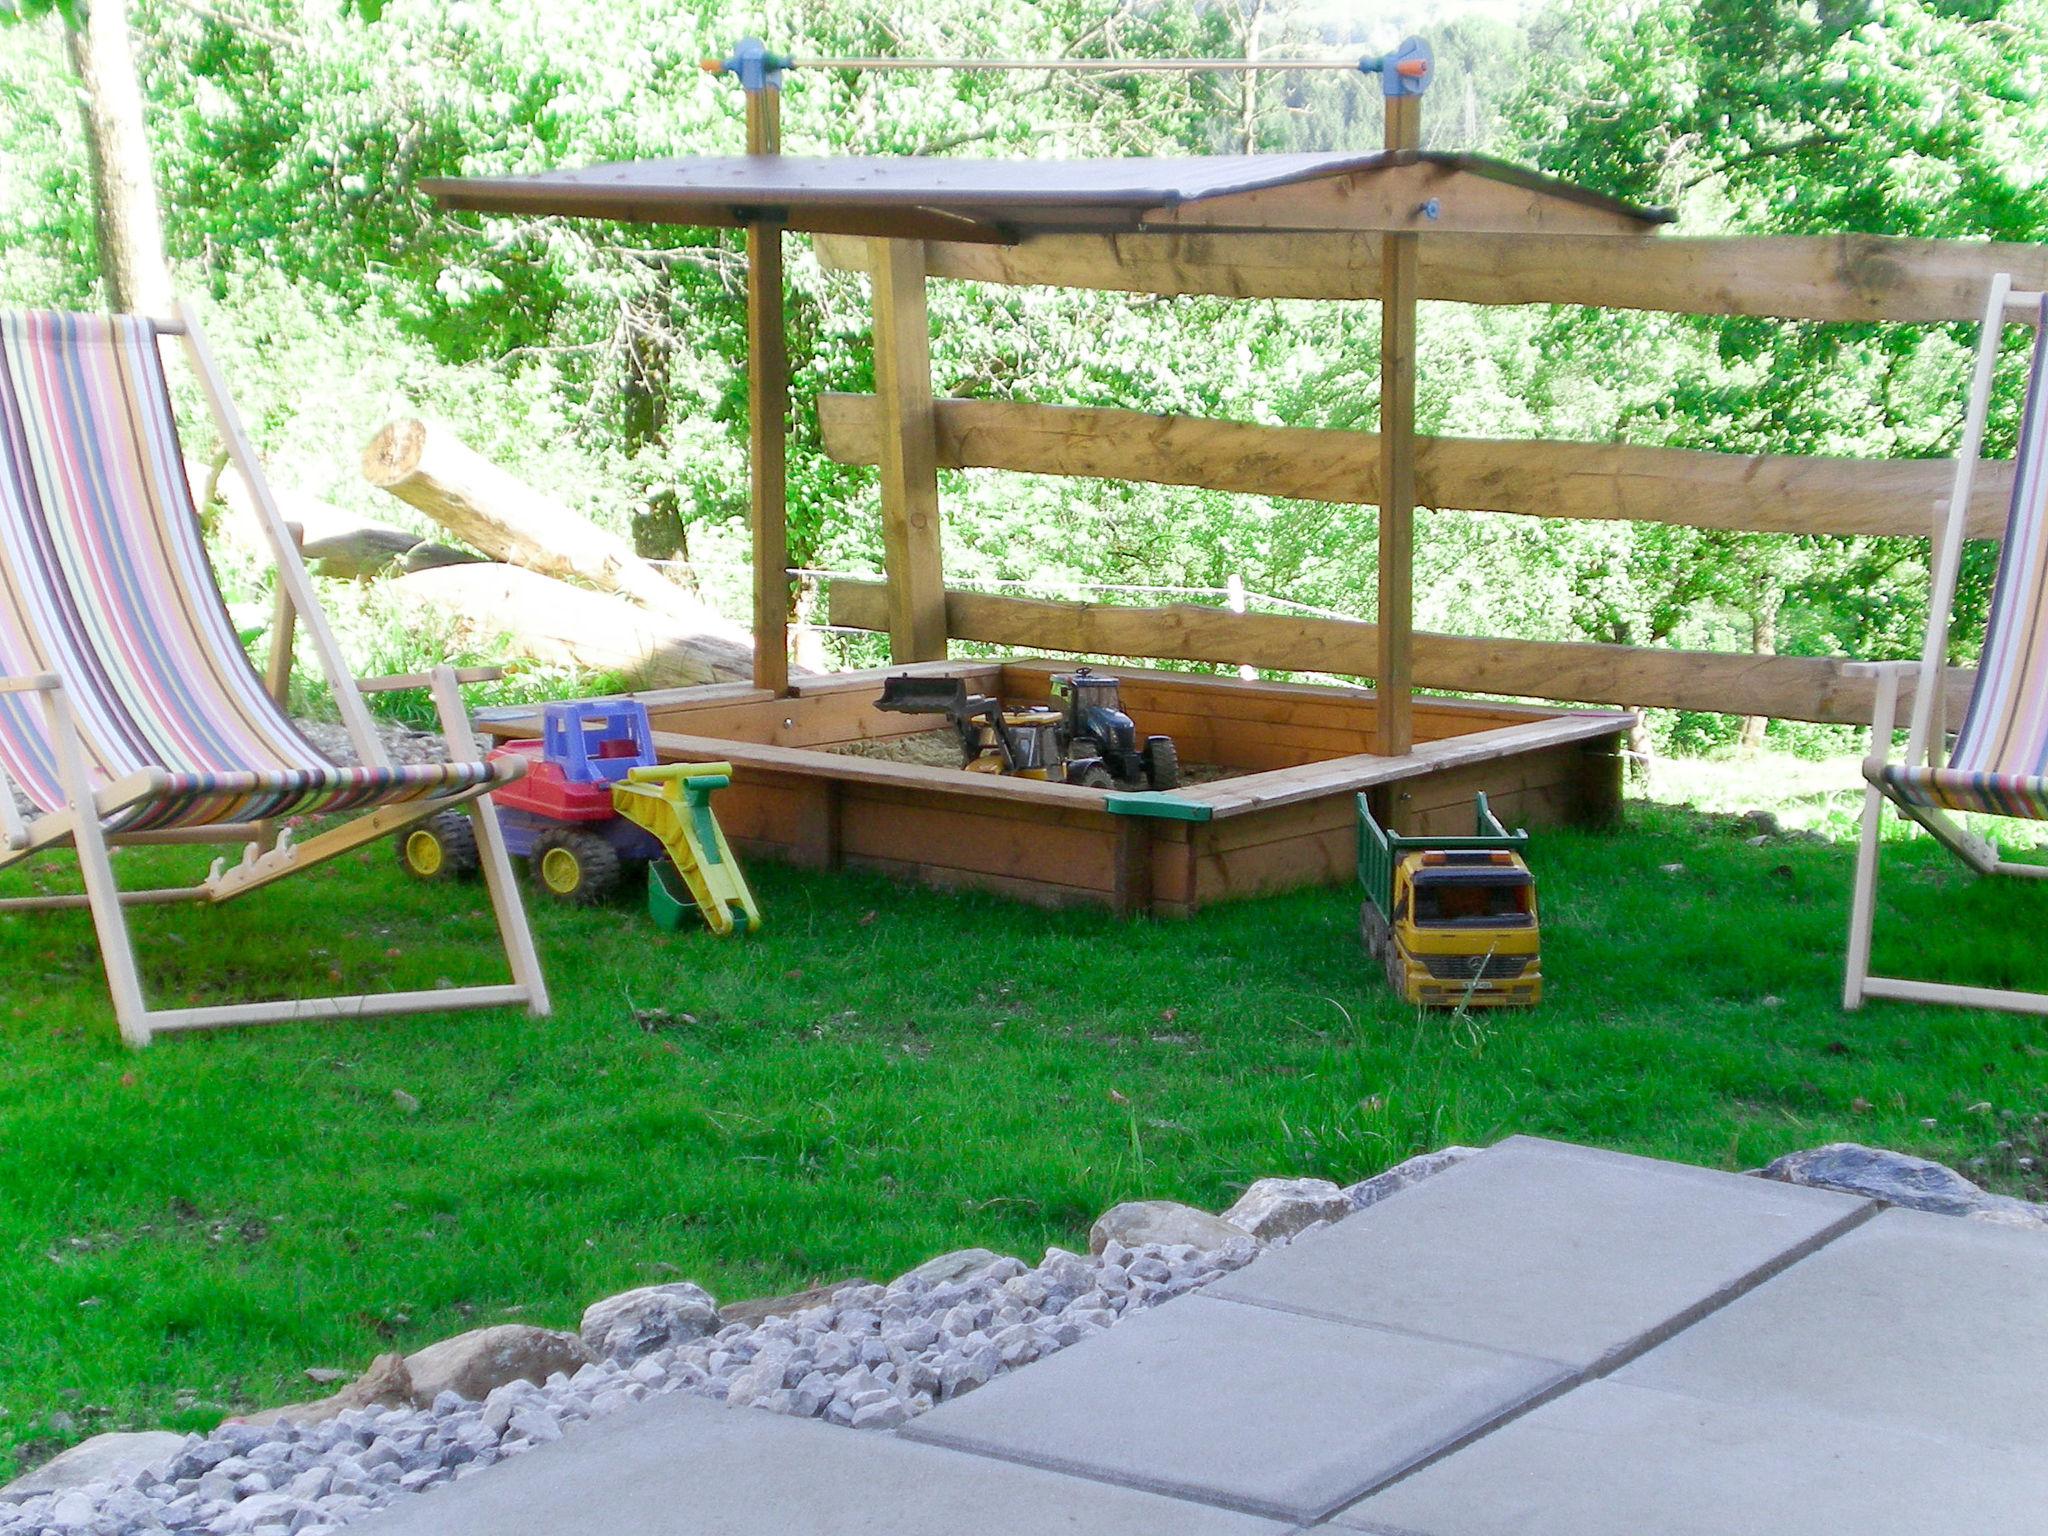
[129, 712]
[1998, 764]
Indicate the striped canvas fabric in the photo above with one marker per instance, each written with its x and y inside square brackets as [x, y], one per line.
[2000, 761]
[104, 580]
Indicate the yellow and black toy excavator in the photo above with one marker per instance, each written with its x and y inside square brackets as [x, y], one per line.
[1083, 738]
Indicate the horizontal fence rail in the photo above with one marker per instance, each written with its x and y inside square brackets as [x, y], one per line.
[1876, 278]
[1814, 688]
[1755, 493]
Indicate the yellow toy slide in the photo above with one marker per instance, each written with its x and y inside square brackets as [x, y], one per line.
[673, 801]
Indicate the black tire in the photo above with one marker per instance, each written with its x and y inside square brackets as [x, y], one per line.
[1372, 929]
[1095, 775]
[1397, 970]
[440, 848]
[1162, 763]
[577, 867]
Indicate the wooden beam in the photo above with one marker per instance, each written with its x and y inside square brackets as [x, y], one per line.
[1782, 687]
[1794, 277]
[1740, 492]
[1422, 196]
[1396, 554]
[767, 408]
[912, 553]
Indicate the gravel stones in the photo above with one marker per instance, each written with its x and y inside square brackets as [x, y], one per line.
[1161, 1221]
[1900, 1179]
[957, 1265]
[1275, 1208]
[1399, 1177]
[635, 1323]
[386, 1384]
[120, 1457]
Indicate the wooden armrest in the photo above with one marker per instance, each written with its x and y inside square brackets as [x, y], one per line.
[404, 680]
[40, 682]
[1878, 669]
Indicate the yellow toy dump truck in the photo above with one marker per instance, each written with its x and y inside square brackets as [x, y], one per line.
[1453, 919]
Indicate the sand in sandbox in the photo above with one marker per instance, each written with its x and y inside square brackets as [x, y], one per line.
[941, 749]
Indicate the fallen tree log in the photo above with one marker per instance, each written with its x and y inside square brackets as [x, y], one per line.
[426, 466]
[429, 556]
[318, 521]
[550, 621]
[358, 554]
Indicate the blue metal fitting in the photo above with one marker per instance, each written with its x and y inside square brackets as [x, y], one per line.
[756, 67]
[1406, 71]
[1432, 209]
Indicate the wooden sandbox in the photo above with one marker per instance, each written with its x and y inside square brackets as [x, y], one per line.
[1301, 752]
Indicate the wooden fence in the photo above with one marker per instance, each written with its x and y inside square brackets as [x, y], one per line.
[1837, 278]
[1785, 687]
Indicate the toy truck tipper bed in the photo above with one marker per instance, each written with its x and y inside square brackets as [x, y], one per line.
[1453, 919]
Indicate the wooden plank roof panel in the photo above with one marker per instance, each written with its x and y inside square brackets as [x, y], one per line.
[932, 197]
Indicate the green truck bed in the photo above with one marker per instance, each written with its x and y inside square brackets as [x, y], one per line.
[1379, 850]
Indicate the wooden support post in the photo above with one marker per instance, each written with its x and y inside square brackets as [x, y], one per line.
[911, 550]
[1132, 892]
[819, 818]
[1395, 680]
[277, 672]
[767, 406]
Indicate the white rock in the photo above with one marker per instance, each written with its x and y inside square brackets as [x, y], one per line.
[1160, 1221]
[635, 1323]
[1271, 1208]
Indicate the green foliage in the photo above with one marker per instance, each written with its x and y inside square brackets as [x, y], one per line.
[603, 361]
[1903, 119]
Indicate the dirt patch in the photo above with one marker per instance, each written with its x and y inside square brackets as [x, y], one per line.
[941, 749]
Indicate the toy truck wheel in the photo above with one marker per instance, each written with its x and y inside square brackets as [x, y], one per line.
[442, 847]
[1162, 763]
[1093, 775]
[1372, 929]
[576, 867]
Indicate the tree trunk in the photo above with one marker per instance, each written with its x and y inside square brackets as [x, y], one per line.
[1763, 634]
[1248, 82]
[427, 466]
[125, 210]
[553, 622]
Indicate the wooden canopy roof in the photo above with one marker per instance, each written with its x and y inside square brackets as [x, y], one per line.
[919, 197]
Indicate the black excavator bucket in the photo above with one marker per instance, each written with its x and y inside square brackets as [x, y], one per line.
[924, 696]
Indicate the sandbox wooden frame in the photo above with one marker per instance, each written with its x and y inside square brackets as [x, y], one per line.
[1305, 751]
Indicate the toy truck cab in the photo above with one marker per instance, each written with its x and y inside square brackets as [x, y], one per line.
[562, 814]
[1452, 920]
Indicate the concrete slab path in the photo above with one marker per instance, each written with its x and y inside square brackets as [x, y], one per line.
[688, 1466]
[1242, 1406]
[1579, 1256]
[1543, 1340]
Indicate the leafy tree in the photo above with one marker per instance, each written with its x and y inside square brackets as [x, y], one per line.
[127, 219]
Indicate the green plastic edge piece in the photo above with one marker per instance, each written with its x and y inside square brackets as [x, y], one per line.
[1159, 807]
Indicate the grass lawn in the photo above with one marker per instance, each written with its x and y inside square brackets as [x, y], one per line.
[883, 1074]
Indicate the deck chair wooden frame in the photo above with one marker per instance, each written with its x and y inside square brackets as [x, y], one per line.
[1928, 735]
[270, 853]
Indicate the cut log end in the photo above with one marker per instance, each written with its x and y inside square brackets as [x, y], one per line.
[395, 452]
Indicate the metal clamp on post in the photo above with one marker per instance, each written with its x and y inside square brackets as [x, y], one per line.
[752, 64]
[1406, 71]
